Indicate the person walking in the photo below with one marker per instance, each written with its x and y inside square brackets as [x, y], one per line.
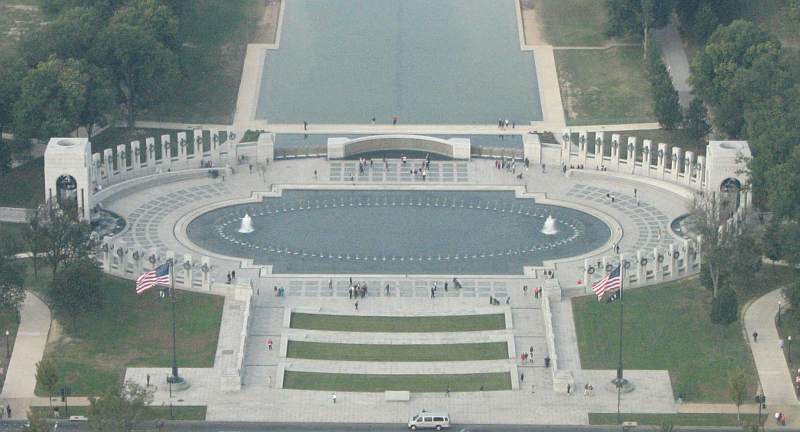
[433, 292]
[521, 378]
[305, 125]
[269, 344]
[333, 398]
[447, 391]
[387, 289]
[356, 304]
[755, 336]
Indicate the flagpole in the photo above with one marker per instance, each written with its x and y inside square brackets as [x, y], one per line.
[620, 379]
[175, 378]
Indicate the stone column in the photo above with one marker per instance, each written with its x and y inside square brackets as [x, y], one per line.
[136, 155]
[121, 254]
[599, 148]
[661, 160]
[659, 269]
[615, 150]
[105, 253]
[183, 146]
[673, 260]
[108, 161]
[205, 268]
[216, 141]
[631, 156]
[701, 171]
[122, 155]
[583, 148]
[675, 160]
[97, 168]
[687, 166]
[166, 150]
[186, 268]
[647, 149]
[197, 138]
[566, 147]
[149, 152]
[640, 269]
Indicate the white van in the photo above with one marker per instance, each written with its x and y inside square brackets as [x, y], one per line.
[429, 420]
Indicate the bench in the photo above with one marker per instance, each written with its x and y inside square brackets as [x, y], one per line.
[629, 424]
[78, 418]
[397, 396]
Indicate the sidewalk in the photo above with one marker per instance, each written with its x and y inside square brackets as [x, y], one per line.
[675, 59]
[28, 350]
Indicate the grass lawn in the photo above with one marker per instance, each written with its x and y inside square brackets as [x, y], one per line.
[412, 383]
[131, 331]
[690, 419]
[397, 353]
[24, 185]
[666, 327]
[790, 326]
[211, 59]
[676, 137]
[8, 322]
[17, 17]
[399, 324]
[13, 235]
[571, 22]
[604, 86]
[197, 413]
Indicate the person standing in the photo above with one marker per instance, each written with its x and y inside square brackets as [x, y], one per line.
[755, 336]
[305, 125]
[356, 304]
[333, 398]
[269, 344]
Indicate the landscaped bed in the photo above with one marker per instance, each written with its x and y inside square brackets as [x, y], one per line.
[681, 419]
[397, 353]
[404, 324]
[413, 383]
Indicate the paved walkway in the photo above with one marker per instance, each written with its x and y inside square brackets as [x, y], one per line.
[28, 350]
[773, 372]
[674, 57]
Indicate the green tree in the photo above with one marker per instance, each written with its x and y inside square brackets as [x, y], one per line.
[721, 76]
[12, 289]
[51, 100]
[37, 423]
[666, 103]
[76, 289]
[72, 34]
[11, 73]
[63, 236]
[47, 378]
[5, 158]
[725, 307]
[156, 18]
[142, 69]
[637, 17]
[119, 409]
[696, 119]
[737, 388]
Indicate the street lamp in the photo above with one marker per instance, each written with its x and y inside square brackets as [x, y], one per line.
[8, 348]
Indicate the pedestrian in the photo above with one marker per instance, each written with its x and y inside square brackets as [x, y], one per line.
[8, 410]
[586, 389]
[491, 300]
[521, 377]
[148, 380]
[547, 361]
[394, 120]
[333, 398]
[269, 344]
[350, 291]
[373, 121]
[387, 289]
[524, 290]
[305, 125]
[447, 391]
[233, 275]
[229, 278]
[445, 287]
[433, 292]
[356, 304]
[780, 343]
[532, 389]
[755, 336]
[330, 284]
[635, 192]
[569, 390]
[531, 353]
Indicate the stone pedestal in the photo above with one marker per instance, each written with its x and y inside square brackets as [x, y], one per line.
[265, 147]
[136, 155]
[600, 149]
[532, 148]
[183, 146]
[661, 160]
[583, 150]
[675, 165]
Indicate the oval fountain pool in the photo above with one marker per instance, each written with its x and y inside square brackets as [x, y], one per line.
[416, 232]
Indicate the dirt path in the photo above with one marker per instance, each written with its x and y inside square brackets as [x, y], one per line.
[268, 25]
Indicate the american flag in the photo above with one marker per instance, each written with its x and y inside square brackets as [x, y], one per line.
[159, 276]
[609, 284]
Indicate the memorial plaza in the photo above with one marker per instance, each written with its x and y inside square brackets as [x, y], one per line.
[398, 219]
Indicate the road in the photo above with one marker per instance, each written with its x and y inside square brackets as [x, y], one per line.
[329, 427]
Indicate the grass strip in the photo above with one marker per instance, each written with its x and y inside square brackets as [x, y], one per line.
[152, 413]
[397, 353]
[428, 383]
[396, 324]
[680, 419]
